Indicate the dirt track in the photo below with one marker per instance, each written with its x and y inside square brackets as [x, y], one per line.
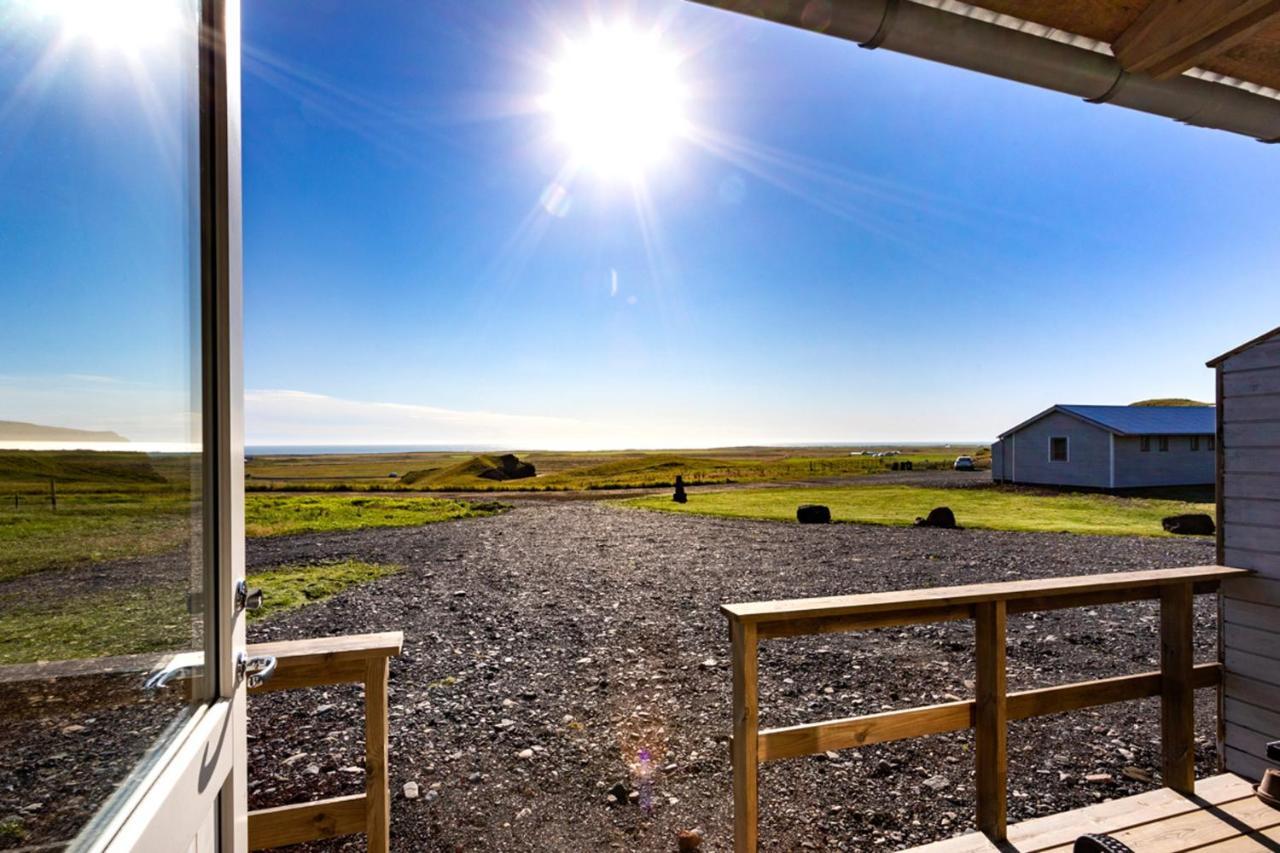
[582, 633]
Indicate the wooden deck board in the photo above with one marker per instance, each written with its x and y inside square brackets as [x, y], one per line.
[1223, 817]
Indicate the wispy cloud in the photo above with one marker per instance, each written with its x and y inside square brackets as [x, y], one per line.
[278, 416]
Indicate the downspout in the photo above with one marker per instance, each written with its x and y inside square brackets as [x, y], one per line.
[1113, 460]
[942, 31]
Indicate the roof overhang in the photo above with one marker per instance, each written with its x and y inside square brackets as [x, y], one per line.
[1210, 63]
[1260, 339]
[1057, 408]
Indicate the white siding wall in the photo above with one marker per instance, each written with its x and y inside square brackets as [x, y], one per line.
[1178, 466]
[1089, 452]
[1249, 407]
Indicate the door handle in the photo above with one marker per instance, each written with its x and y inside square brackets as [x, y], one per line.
[257, 670]
[179, 666]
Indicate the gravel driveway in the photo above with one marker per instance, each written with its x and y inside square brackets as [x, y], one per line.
[546, 647]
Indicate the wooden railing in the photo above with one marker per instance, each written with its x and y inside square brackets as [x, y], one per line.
[992, 707]
[359, 659]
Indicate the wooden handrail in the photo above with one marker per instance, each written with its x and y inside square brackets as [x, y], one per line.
[993, 706]
[361, 659]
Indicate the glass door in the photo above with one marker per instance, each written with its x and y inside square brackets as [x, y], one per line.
[117, 405]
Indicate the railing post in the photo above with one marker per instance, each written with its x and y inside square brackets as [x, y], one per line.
[377, 801]
[746, 725]
[1177, 696]
[991, 719]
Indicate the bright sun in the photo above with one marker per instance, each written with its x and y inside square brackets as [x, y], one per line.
[127, 26]
[617, 101]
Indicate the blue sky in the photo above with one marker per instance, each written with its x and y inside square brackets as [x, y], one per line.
[854, 245]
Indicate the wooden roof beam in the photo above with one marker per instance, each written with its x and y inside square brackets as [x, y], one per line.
[1172, 36]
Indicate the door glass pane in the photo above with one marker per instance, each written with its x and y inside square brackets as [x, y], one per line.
[102, 560]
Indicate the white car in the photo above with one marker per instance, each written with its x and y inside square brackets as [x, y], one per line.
[964, 463]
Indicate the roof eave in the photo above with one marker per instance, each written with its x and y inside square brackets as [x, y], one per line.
[1260, 339]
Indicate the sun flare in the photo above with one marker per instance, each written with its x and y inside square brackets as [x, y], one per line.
[617, 101]
[127, 26]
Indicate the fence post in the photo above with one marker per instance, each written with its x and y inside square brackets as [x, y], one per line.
[1177, 698]
[377, 800]
[746, 723]
[991, 719]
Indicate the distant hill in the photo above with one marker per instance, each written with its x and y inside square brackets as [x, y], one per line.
[20, 431]
[1171, 401]
[77, 466]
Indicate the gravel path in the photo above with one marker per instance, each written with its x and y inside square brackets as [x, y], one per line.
[544, 648]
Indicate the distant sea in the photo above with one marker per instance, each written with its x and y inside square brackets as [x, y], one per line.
[327, 449]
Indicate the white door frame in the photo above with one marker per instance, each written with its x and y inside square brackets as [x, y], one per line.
[195, 796]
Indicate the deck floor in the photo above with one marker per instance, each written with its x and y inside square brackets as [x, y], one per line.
[1223, 817]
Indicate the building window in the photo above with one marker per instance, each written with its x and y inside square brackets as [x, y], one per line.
[1144, 444]
[1213, 442]
[1058, 446]
[1164, 444]
[1195, 442]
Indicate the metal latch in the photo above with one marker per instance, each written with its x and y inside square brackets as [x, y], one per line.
[180, 666]
[247, 599]
[258, 670]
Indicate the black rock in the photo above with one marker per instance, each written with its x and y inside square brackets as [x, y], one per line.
[680, 497]
[941, 517]
[621, 792]
[813, 514]
[1193, 524]
[509, 467]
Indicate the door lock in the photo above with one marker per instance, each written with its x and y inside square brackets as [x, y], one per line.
[247, 599]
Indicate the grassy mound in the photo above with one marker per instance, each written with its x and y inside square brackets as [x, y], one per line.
[462, 473]
[1172, 401]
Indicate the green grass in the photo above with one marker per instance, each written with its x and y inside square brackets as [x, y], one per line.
[994, 508]
[96, 526]
[90, 527]
[138, 621]
[652, 470]
[291, 587]
[582, 470]
[280, 515]
[120, 622]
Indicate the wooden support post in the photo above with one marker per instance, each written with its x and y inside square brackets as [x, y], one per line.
[991, 719]
[746, 725]
[1177, 697]
[377, 800]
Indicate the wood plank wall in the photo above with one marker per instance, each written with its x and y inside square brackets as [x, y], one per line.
[1249, 514]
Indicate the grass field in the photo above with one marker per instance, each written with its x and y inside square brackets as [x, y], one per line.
[583, 470]
[140, 621]
[280, 515]
[995, 508]
[95, 526]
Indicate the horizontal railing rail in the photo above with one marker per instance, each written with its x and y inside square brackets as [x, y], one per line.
[356, 659]
[992, 707]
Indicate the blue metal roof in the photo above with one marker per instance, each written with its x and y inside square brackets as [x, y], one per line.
[1137, 420]
[1149, 420]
